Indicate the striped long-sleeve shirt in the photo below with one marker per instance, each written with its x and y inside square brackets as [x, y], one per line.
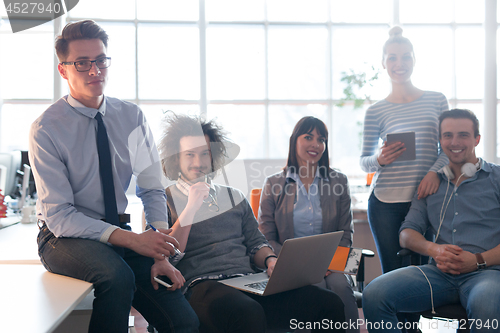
[397, 182]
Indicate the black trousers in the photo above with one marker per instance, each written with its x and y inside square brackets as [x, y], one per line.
[221, 308]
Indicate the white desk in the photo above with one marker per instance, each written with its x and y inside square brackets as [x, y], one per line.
[18, 244]
[36, 301]
[9, 220]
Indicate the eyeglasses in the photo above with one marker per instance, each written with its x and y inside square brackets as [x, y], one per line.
[211, 201]
[86, 65]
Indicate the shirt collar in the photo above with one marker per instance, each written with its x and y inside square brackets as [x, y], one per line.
[89, 112]
[482, 166]
[485, 166]
[184, 186]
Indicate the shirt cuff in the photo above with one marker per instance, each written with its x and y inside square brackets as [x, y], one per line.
[107, 233]
[160, 225]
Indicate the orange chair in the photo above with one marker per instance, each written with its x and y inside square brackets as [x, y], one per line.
[369, 178]
[255, 200]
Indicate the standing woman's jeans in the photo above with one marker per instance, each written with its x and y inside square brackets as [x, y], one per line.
[385, 220]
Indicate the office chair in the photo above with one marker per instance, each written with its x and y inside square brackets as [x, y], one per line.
[360, 276]
[446, 312]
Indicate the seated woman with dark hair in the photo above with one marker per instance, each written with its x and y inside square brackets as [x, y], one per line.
[307, 198]
[219, 237]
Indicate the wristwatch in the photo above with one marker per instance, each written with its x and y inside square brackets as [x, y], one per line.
[481, 264]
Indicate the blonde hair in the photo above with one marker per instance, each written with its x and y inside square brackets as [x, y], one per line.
[396, 36]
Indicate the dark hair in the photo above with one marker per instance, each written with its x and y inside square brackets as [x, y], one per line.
[396, 36]
[87, 29]
[179, 126]
[307, 125]
[460, 114]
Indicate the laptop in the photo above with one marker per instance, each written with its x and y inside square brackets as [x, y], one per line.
[302, 261]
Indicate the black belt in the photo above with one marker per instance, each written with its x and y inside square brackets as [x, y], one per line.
[123, 218]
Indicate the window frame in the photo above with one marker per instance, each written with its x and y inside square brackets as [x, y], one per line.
[203, 102]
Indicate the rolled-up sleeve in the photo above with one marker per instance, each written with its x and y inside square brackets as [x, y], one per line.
[254, 240]
[417, 218]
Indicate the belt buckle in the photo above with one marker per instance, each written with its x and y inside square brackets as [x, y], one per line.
[40, 224]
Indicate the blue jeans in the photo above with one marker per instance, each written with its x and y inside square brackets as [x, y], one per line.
[385, 220]
[119, 283]
[407, 290]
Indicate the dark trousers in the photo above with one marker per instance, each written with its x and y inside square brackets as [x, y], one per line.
[118, 282]
[221, 308]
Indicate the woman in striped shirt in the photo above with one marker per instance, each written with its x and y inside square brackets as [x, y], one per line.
[406, 108]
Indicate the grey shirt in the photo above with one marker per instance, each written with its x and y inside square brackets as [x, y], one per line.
[220, 243]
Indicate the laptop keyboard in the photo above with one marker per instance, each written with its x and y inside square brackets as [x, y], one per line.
[257, 285]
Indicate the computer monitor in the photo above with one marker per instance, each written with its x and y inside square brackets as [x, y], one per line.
[25, 187]
[25, 160]
[12, 162]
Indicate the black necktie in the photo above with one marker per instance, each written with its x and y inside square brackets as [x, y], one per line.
[105, 170]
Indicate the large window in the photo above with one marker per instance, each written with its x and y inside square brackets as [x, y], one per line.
[256, 65]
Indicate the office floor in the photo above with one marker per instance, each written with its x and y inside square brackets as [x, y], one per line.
[427, 326]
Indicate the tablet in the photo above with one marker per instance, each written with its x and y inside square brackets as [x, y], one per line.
[408, 138]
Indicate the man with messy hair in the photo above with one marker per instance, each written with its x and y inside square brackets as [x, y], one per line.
[219, 235]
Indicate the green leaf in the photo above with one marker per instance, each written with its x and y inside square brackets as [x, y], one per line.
[354, 84]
